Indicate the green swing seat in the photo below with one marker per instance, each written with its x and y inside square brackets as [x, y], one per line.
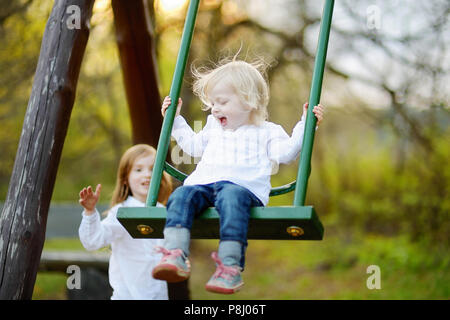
[296, 222]
[282, 223]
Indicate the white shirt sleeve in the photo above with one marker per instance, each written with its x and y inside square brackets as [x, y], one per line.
[95, 234]
[192, 143]
[281, 147]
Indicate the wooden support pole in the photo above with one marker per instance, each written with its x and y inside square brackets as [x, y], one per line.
[134, 36]
[24, 215]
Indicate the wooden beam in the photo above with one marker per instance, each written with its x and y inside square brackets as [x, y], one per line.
[24, 215]
[60, 260]
[140, 74]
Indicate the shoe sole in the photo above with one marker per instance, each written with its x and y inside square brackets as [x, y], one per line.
[169, 273]
[222, 290]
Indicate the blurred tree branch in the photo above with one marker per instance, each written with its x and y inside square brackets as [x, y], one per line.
[406, 70]
[11, 7]
[403, 95]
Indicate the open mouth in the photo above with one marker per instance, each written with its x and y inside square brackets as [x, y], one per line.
[145, 184]
[223, 121]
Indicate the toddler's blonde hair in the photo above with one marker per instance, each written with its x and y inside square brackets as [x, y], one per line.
[248, 79]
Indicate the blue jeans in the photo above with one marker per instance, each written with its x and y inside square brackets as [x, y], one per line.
[232, 202]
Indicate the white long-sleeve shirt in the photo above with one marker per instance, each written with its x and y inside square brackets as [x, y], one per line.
[247, 156]
[131, 261]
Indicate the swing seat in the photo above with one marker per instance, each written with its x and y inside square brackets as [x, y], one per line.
[277, 223]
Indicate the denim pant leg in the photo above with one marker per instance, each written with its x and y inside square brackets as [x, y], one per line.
[183, 205]
[233, 203]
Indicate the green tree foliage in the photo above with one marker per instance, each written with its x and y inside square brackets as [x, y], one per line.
[20, 36]
[380, 161]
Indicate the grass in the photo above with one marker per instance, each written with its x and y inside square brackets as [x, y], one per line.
[334, 268]
[50, 286]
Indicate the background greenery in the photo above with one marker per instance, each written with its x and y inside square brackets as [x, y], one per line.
[380, 174]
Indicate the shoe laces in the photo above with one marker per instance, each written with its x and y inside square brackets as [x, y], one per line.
[223, 271]
[175, 253]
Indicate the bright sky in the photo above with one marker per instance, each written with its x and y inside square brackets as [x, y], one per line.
[170, 6]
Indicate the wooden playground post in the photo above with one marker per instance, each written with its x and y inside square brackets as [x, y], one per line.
[134, 36]
[24, 215]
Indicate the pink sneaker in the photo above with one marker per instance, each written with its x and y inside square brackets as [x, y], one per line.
[226, 279]
[173, 267]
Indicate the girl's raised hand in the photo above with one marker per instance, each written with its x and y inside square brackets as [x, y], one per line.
[317, 110]
[88, 198]
[166, 103]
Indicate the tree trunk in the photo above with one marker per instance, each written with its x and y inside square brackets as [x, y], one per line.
[24, 215]
[137, 57]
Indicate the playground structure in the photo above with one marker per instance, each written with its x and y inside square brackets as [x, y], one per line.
[297, 222]
[24, 215]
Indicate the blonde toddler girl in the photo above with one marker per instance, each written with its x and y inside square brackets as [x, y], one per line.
[239, 150]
